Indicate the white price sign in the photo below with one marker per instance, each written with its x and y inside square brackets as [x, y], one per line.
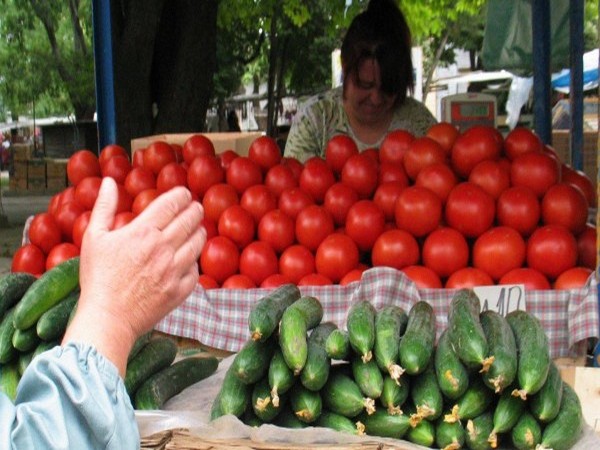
[501, 298]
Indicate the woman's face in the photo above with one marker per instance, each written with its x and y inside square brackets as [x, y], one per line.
[364, 100]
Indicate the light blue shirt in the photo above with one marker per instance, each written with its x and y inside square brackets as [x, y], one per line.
[70, 397]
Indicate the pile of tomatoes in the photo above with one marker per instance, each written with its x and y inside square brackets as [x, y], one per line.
[449, 209]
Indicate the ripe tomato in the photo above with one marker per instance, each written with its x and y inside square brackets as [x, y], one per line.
[220, 258]
[423, 277]
[521, 140]
[44, 232]
[364, 223]
[79, 228]
[587, 249]
[258, 261]
[574, 278]
[361, 173]
[468, 277]
[476, 144]
[279, 178]
[121, 219]
[117, 168]
[109, 151]
[336, 256]
[238, 281]
[207, 282]
[275, 280]
[394, 146]
[445, 251]
[385, 197]
[277, 229]
[265, 152]
[551, 249]
[582, 181]
[82, 164]
[439, 178]
[124, 200]
[86, 192]
[60, 253]
[65, 218]
[237, 224]
[519, 208]
[217, 199]
[418, 210]
[314, 279]
[210, 226]
[139, 179]
[338, 200]
[243, 173]
[535, 170]
[204, 172]
[316, 177]
[258, 200]
[293, 164]
[295, 262]
[292, 201]
[138, 158]
[443, 133]
[392, 172]
[564, 204]
[196, 145]
[532, 279]
[395, 248]
[226, 157]
[421, 153]
[173, 174]
[339, 148]
[55, 200]
[28, 258]
[178, 149]
[469, 209]
[499, 250]
[313, 224]
[157, 155]
[491, 176]
[352, 276]
[142, 200]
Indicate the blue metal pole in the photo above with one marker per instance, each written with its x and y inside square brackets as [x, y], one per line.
[576, 83]
[103, 61]
[542, 116]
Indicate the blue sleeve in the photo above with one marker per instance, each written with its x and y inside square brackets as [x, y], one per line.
[69, 397]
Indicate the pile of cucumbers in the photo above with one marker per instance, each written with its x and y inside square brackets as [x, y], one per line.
[487, 382]
[34, 314]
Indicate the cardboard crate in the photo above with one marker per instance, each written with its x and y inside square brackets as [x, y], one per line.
[19, 170]
[238, 142]
[56, 168]
[36, 169]
[561, 142]
[22, 152]
[586, 382]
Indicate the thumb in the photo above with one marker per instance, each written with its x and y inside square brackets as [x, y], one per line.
[105, 208]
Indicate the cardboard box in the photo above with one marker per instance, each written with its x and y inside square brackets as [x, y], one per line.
[561, 142]
[586, 382]
[56, 168]
[238, 142]
[22, 152]
[36, 169]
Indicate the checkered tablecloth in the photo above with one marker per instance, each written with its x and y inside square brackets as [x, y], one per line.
[218, 318]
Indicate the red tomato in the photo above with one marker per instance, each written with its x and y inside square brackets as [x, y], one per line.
[587, 249]
[258, 261]
[117, 168]
[238, 281]
[279, 178]
[157, 155]
[226, 157]
[142, 200]
[217, 199]
[338, 150]
[109, 151]
[316, 177]
[535, 170]
[551, 249]
[28, 258]
[352, 276]
[314, 279]
[521, 140]
[265, 152]
[237, 224]
[296, 262]
[44, 232]
[468, 277]
[364, 223]
[292, 201]
[385, 197]
[207, 282]
[82, 164]
[395, 248]
[220, 258]
[421, 153]
[443, 133]
[519, 208]
[394, 146]
[499, 250]
[121, 219]
[469, 209]
[477, 144]
[124, 200]
[178, 149]
[491, 176]
[86, 192]
[277, 229]
[204, 171]
[532, 279]
[579, 179]
[258, 200]
[361, 173]
[392, 172]
[60, 253]
[423, 277]
[196, 145]
[438, 178]
[139, 179]
[445, 251]
[79, 227]
[138, 158]
[336, 256]
[574, 278]
[338, 200]
[418, 210]
[54, 202]
[293, 164]
[243, 173]
[564, 204]
[274, 281]
[372, 153]
[65, 218]
[313, 224]
[173, 174]
[210, 226]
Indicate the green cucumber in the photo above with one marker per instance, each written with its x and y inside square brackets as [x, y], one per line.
[53, 323]
[13, 286]
[287, 419]
[170, 381]
[361, 328]
[545, 404]
[9, 379]
[449, 436]
[452, 375]
[338, 344]
[251, 419]
[422, 433]
[426, 395]
[393, 394]
[262, 404]
[306, 404]
[234, 396]
[382, 423]
[45, 292]
[7, 351]
[533, 360]
[527, 432]
[251, 363]
[266, 313]
[390, 324]
[418, 343]
[338, 422]
[23, 361]
[342, 395]
[466, 332]
[478, 430]
[139, 343]
[368, 377]
[316, 369]
[215, 408]
[476, 399]
[502, 347]
[281, 378]
[566, 428]
[506, 414]
[45, 346]
[156, 355]
[25, 340]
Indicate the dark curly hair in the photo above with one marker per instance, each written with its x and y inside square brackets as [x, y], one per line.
[381, 32]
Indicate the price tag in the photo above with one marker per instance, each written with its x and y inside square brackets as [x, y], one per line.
[501, 298]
